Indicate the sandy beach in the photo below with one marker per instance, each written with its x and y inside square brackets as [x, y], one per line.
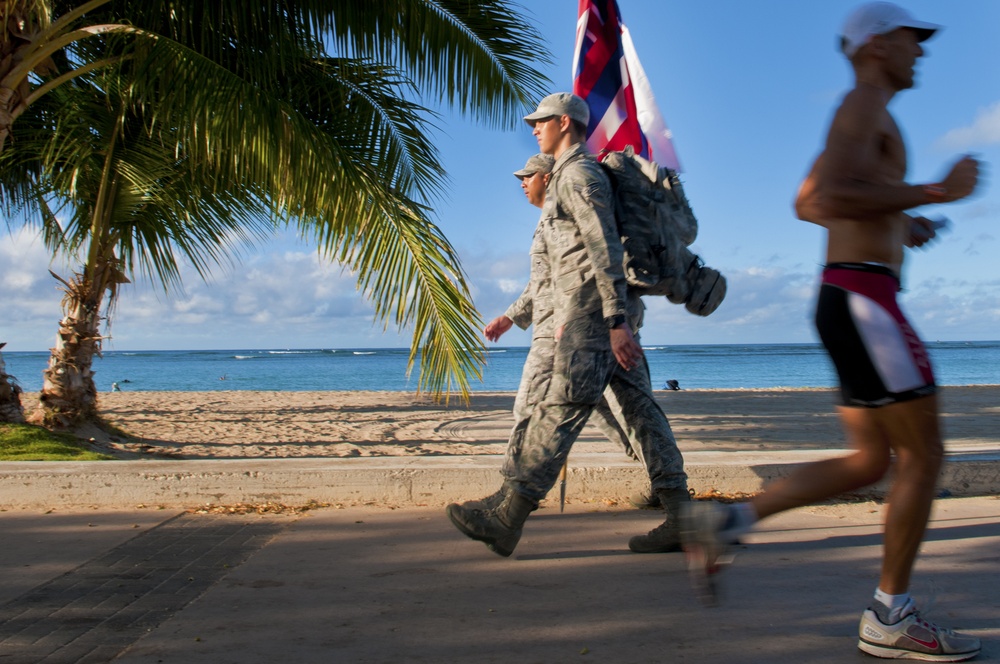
[227, 425]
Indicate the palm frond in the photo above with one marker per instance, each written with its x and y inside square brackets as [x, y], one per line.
[480, 56]
[407, 269]
[205, 124]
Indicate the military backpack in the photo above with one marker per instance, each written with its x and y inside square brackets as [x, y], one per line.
[657, 226]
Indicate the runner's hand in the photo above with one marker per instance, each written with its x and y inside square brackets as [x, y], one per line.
[962, 179]
[922, 231]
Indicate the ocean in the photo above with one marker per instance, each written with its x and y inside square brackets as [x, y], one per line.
[749, 366]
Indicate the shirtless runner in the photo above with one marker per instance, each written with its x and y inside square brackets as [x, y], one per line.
[856, 191]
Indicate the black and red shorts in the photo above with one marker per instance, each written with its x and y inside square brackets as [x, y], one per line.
[879, 358]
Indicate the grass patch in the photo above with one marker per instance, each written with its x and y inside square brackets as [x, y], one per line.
[27, 442]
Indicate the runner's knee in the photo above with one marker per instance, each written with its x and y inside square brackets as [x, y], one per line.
[923, 459]
[870, 466]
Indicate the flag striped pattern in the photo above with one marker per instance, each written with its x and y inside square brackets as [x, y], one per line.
[607, 74]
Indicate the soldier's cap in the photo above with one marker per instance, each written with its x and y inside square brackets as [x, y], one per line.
[537, 163]
[880, 18]
[561, 103]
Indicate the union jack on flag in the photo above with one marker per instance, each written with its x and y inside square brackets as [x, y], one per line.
[607, 74]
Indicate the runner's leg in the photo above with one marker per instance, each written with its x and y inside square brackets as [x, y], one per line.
[912, 427]
[824, 479]
[911, 430]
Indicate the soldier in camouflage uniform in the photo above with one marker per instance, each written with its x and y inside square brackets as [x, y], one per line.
[577, 247]
[649, 436]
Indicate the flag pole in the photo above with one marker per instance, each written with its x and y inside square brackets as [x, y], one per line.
[562, 486]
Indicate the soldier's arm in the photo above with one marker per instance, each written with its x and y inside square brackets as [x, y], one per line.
[521, 310]
[592, 208]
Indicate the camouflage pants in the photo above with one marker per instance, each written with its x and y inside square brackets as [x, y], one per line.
[535, 379]
[561, 386]
[645, 425]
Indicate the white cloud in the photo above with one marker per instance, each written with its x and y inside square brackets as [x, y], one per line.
[280, 300]
[289, 299]
[762, 305]
[510, 286]
[953, 309]
[31, 297]
[297, 300]
[984, 130]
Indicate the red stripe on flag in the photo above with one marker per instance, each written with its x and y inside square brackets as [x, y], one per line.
[602, 49]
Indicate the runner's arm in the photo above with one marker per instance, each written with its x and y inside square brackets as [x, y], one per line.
[847, 182]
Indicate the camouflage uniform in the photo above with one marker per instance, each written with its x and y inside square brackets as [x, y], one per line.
[608, 416]
[576, 282]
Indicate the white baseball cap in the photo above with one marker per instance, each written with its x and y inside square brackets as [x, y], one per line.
[879, 18]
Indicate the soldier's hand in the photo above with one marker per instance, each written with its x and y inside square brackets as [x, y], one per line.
[627, 351]
[496, 327]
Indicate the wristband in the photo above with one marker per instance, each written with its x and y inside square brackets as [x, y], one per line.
[935, 193]
[614, 321]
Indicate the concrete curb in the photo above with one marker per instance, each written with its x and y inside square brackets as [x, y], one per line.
[405, 481]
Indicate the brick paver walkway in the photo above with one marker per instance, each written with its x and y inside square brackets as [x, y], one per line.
[92, 613]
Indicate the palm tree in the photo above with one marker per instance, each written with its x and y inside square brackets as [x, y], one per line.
[10, 395]
[126, 201]
[242, 108]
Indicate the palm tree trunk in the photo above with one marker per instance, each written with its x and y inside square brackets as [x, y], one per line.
[69, 395]
[6, 117]
[10, 396]
[17, 25]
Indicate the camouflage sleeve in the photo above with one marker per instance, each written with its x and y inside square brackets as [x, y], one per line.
[520, 312]
[592, 206]
[636, 310]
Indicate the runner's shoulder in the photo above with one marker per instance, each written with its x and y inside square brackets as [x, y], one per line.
[863, 102]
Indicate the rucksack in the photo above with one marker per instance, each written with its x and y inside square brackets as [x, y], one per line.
[657, 225]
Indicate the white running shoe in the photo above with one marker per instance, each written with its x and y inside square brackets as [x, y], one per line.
[705, 544]
[912, 637]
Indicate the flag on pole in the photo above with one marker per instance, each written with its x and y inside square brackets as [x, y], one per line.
[607, 74]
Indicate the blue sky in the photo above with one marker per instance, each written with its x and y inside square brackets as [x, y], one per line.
[747, 89]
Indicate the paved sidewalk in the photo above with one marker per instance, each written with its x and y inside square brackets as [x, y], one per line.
[372, 584]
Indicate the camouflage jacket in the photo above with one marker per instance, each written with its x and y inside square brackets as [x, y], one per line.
[524, 313]
[577, 241]
[534, 306]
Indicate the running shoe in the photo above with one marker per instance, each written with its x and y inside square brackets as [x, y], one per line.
[912, 637]
[705, 545]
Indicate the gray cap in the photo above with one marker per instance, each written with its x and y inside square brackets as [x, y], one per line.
[537, 163]
[561, 103]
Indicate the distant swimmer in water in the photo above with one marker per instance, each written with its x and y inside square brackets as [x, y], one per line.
[222, 377]
[115, 387]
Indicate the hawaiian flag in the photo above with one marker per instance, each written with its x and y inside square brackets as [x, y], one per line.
[607, 74]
